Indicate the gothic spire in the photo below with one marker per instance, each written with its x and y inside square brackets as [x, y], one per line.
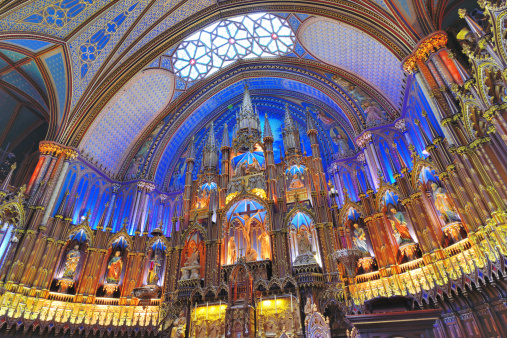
[225, 137]
[267, 127]
[310, 125]
[210, 149]
[7, 181]
[289, 123]
[247, 100]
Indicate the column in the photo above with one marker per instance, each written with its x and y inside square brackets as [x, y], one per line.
[69, 155]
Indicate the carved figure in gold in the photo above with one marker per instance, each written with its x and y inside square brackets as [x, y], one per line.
[179, 326]
[72, 261]
[400, 228]
[154, 271]
[250, 254]
[443, 204]
[360, 238]
[264, 240]
[304, 244]
[231, 251]
[114, 268]
[296, 183]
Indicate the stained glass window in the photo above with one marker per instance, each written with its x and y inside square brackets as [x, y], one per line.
[228, 40]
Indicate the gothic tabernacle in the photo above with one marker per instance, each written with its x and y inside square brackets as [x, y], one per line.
[246, 169]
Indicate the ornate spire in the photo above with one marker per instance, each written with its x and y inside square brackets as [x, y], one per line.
[267, 127]
[225, 137]
[210, 151]
[248, 118]
[5, 184]
[290, 133]
[247, 100]
[289, 123]
[310, 125]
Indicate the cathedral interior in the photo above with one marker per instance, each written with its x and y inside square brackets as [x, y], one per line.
[233, 168]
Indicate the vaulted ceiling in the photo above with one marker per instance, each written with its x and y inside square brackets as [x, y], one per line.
[108, 76]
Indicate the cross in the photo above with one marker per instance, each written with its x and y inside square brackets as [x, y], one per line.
[248, 211]
[241, 252]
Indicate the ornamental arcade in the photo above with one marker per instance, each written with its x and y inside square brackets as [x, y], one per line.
[243, 169]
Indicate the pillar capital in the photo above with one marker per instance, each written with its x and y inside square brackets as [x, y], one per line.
[427, 46]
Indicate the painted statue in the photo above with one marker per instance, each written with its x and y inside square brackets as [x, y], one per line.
[202, 199]
[231, 251]
[296, 183]
[443, 204]
[399, 224]
[250, 254]
[264, 240]
[240, 169]
[179, 326]
[114, 268]
[255, 165]
[71, 264]
[360, 238]
[154, 271]
[193, 259]
[304, 244]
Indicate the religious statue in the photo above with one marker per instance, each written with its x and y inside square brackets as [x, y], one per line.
[240, 169]
[193, 259]
[264, 240]
[71, 264]
[296, 183]
[255, 165]
[400, 228]
[153, 272]
[304, 244]
[360, 238]
[250, 254]
[202, 199]
[179, 326]
[114, 268]
[231, 251]
[443, 204]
